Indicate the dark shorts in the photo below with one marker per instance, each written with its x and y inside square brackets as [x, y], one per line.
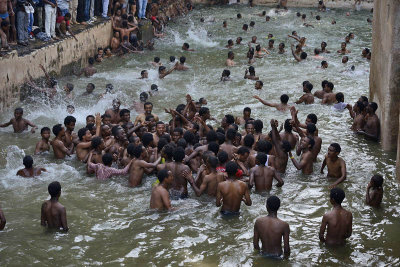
[227, 213]
[271, 256]
[176, 194]
[4, 15]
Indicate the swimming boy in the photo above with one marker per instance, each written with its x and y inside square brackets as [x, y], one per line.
[29, 170]
[19, 124]
[43, 145]
[283, 106]
[53, 214]
[339, 221]
[271, 231]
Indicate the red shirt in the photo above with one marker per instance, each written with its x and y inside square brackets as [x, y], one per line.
[61, 19]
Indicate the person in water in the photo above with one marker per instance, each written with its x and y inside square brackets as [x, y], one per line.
[53, 214]
[338, 222]
[159, 194]
[271, 230]
[29, 170]
[374, 194]
[19, 123]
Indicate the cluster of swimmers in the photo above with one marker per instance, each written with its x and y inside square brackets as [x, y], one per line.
[228, 161]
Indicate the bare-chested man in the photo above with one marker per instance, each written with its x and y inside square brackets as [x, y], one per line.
[271, 231]
[232, 192]
[114, 111]
[288, 134]
[374, 193]
[138, 165]
[159, 195]
[89, 70]
[357, 113]
[59, 149]
[336, 165]
[229, 61]
[307, 157]
[53, 213]
[125, 30]
[308, 97]
[262, 176]
[343, 50]
[228, 145]
[339, 221]
[115, 42]
[320, 93]
[283, 106]
[148, 109]
[372, 124]
[29, 170]
[281, 148]
[160, 131]
[246, 115]
[181, 66]
[19, 124]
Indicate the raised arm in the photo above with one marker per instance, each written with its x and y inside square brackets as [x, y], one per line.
[265, 102]
[296, 57]
[294, 37]
[46, 74]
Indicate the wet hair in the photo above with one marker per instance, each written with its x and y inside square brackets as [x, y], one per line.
[288, 127]
[82, 132]
[136, 151]
[222, 157]
[364, 98]
[243, 150]
[69, 119]
[374, 106]
[252, 23]
[323, 62]
[143, 72]
[311, 128]
[226, 73]
[245, 26]
[271, 41]
[337, 195]
[96, 141]
[106, 116]
[286, 146]
[247, 109]
[162, 174]
[284, 98]
[211, 136]
[230, 134]
[91, 85]
[189, 137]
[267, 18]
[156, 59]
[54, 188]
[214, 147]
[182, 59]
[221, 137]
[122, 112]
[107, 159]
[273, 203]
[311, 141]
[213, 161]
[264, 12]
[339, 97]
[181, 143]
[172, 58]
[252, 70]
[330, 85]
[229, 119]
[57, 129]
[44, 129]
[298, 14]
[70, 86]
[186, 45]
[153, 87]
[337, 147]
[262, 158]
[169, 150]
[203, 111]
[377, 180]
[179, 154]
[263, 146]
[260, 82]
[324, 83]
[91, 60]
[87, 117]
[309, 86]
[248, 140]
[231, 168]
[114, 130]
[230, 42]
[312, 117]
[230, 53]
[147, 138]
[258, 125]
[303, 16]
[28, 161]
[360, 105]
[148, 103]
[239, 15]
[318, 17]
[303, 55]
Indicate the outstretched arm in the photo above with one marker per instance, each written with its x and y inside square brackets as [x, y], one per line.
[46, 74]
[294, 37]
[265, 102]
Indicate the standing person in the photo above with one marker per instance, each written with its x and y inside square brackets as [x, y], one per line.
[54, 214]
[336, 165]
[22, 24]
[142, 9]
[374, 194]
[105, 9]
[73, 6]
[338, 220]
[19, 123]
[262, 175]
[50, 8]
[63, 5]
[232, 192]
[271, 230]
[159, 195]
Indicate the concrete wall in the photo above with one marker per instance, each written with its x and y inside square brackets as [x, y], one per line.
[59, 57]
[385, 71]
[365, 4]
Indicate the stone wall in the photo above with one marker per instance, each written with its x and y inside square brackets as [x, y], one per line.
[365, 4]
[59, 58]
[384, 78]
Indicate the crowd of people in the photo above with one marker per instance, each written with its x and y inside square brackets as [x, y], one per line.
[217, 159]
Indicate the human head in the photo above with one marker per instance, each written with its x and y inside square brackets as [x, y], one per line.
[377, 180]
[58, 130]
[165, 176]
[311, 128]
[54, 189]
[90, 88]
[273, 204]
[231, 55]
[337, 195]
[148, 108]
[311, 118]
[307, 142]
[267, 18]
[318, 17]
[239, 16]
[334, 150]
[84, 134]
[324, 64]
[97, 142]
[91, 61]
[107, 159]
[231, 168]
[179, 154]
[204, 112]
[28, 162]
[239, 40]
[284, 98]
[116, 103]
[288, 127]
[245, 27]
[339, 97]
[45, 133]
[182, 59]
[303, 55]
[69, 122]
[185, 46]
[18, 112]
[144, 74]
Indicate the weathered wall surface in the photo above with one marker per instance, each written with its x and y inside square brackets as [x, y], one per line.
[58, 57]
[365, 4]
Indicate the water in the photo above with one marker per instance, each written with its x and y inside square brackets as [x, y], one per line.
[111, 224]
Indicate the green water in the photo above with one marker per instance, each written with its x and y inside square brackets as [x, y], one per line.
[111, 223]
